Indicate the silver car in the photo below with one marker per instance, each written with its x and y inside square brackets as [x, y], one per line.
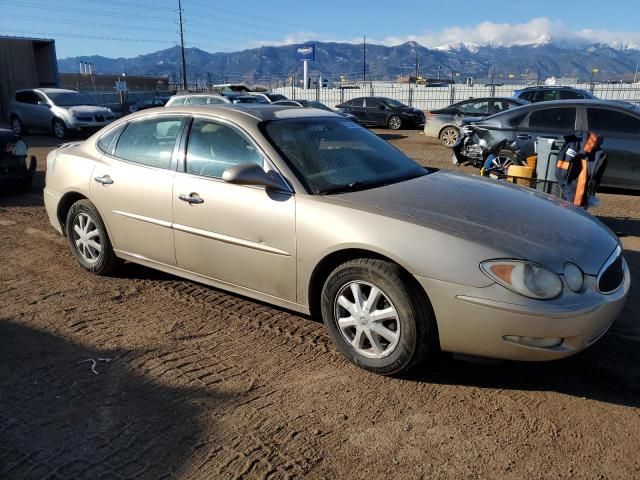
[308, 211]
[196, 99]
[58, 110]
[444, 123]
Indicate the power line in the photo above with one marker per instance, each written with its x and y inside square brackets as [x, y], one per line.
[90, 12]
[90, 24]
[96, 37]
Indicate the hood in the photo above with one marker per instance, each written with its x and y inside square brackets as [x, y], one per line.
[89, 109]
[519, 221]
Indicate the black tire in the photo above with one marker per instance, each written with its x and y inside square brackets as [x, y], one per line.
[17, 126]
[394, 122]
[106, 261]
[59, 128]
[418, 333]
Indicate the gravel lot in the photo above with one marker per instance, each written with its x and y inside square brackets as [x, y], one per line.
[191, 382]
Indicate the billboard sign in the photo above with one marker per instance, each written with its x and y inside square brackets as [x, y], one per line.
[306, 52]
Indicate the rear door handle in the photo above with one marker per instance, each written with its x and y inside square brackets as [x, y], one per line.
[192, 199]
[524, 136]
[104, 180]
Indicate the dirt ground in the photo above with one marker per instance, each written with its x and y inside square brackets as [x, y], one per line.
[191, 382]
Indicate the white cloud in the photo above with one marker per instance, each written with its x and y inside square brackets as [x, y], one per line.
[535, 31]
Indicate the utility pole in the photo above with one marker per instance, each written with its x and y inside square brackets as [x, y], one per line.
[417, 64]
[635, 75]
[184, 65]
[439, 68]
[364, 59]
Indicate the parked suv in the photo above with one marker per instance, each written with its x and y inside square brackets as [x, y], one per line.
[545, 94]
[382, 111]
[58, 110]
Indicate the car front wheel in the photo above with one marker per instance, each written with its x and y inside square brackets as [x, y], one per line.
[88, 239]
[377, 317]
[59, 129]
[395, 122]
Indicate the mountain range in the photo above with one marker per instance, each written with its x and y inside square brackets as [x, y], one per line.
[333, 59]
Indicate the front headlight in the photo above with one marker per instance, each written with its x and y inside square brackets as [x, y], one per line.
[525, 278]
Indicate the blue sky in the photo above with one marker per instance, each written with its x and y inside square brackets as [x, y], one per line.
[128, 27]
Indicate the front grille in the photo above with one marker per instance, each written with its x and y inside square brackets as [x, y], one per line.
[612, 275]
[99, 118]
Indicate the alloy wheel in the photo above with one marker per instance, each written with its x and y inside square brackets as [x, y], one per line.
[59, 129]
[367, 319]
[500, 164]
[395, 123]
[449, 137]
[86, 237]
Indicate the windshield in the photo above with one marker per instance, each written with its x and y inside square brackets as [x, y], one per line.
[337, 155]
[392, 103]
[70, 99]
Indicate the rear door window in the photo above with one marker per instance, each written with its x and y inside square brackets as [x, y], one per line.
[356, 102]
[475, 108]
[602, 120]
[28, 96]
[569, 95]
[149, 142]
[563, 118]
[544, 95]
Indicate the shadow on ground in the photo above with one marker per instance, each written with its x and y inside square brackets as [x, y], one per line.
[60, 420]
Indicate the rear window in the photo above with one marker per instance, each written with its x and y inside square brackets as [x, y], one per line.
[176, 101]
[604, 120]
[149, 142]
[554, 118]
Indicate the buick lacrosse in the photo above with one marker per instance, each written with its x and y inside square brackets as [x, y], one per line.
[309, 211]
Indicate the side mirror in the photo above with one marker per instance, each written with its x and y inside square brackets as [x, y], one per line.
[42, 103]
[252, 174]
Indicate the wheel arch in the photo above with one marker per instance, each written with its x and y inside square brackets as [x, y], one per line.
[64, 205]
[328, 263]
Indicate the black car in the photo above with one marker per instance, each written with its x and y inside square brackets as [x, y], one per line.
[375, 111]
[547, 94]
[617, 122]
[16, 171]
[149, 103]
[314, 104]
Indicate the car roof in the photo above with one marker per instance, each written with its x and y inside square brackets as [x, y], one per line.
[482, 99]
[259, 112]
[551, 87]
[197, 94]
[47, 90]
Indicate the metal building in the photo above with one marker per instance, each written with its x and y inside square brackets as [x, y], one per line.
[25, 63]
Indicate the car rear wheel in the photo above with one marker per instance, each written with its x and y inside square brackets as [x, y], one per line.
[88, 239]
[377, 317]
[449, 136]
[395, 122]
[59, 129]
[17, 126]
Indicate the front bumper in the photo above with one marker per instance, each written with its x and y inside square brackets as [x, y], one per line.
[475, 321]
[93, 125]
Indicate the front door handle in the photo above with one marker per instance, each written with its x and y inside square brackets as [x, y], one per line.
[104, 180]
[192, 199]
[524, 136]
